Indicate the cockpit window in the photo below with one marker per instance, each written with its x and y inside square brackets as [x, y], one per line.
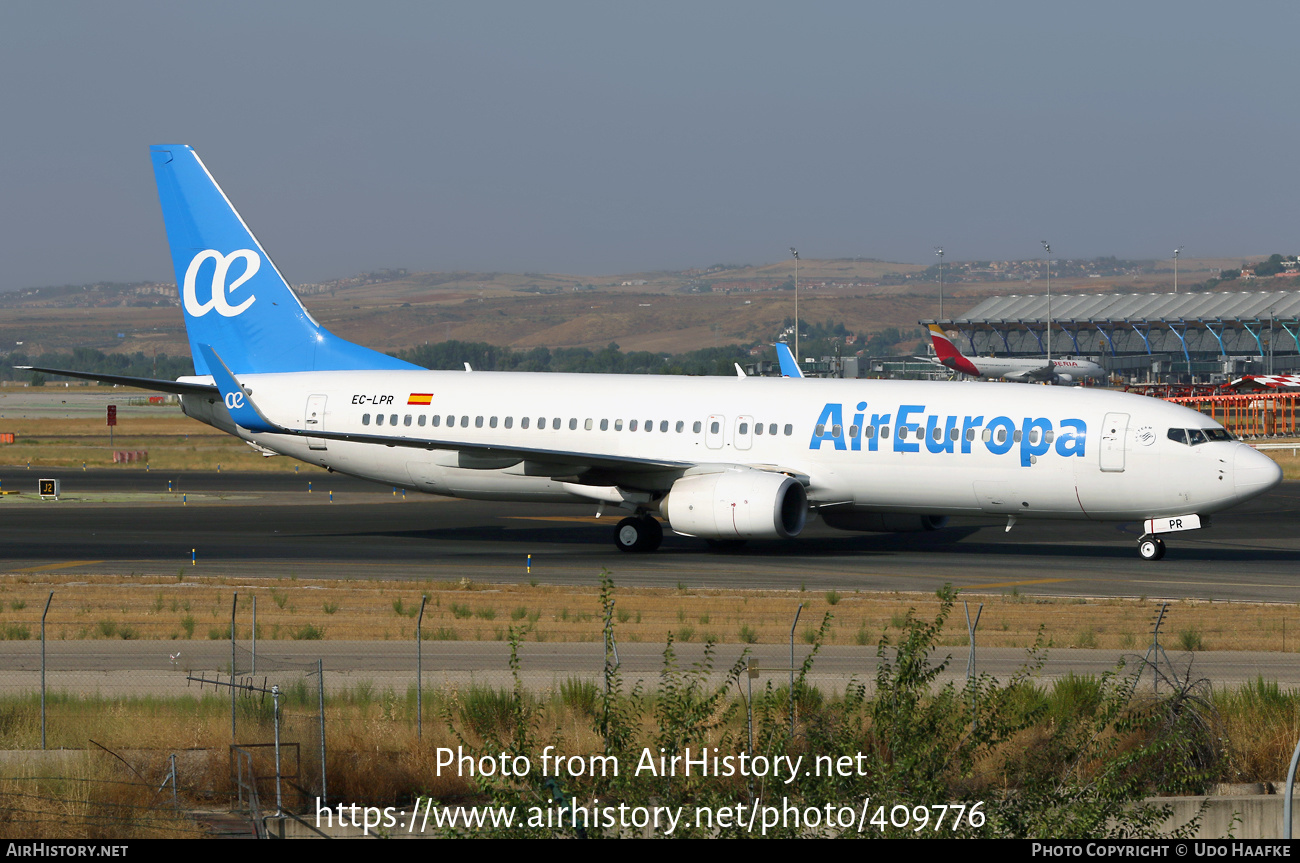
[1192, 437]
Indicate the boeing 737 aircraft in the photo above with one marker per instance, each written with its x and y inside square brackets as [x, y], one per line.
[722, 459]
[947, 355]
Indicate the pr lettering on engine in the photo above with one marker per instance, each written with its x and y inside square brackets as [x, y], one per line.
[1031, 437]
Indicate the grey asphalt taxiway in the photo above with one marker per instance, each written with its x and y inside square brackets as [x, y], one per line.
[248, 524]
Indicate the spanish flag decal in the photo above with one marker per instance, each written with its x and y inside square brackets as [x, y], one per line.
[420, 399]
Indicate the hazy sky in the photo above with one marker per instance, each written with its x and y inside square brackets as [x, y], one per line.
[611, 137]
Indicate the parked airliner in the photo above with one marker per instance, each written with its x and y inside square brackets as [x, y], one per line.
[722, 459]
[1021, 370]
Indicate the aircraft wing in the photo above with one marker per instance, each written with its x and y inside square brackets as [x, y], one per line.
[1042, 373]
[178, 387]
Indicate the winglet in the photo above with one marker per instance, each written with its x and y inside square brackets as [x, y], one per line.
[789, 365]
[238, 402]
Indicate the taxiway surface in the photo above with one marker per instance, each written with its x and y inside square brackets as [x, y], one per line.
[246, 524]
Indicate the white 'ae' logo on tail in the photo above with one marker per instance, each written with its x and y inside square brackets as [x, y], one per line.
[252, 262]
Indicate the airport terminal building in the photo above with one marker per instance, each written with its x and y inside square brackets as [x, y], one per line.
[1145, 338]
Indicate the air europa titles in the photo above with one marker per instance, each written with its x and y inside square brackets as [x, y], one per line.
[913, 428]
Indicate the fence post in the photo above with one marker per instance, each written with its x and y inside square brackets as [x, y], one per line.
[234, 601]
[419, 669]
[970, 660]
[320, 700]
[797, 612]
[253, 668]
[275, 705]
[43, 613]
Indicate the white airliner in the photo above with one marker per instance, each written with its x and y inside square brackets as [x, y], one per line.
[722, 459]
[1022, 370]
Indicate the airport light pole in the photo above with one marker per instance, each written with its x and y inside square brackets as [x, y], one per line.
[938, 250]
[1048, 248]
[1176, 251]
[795, 252]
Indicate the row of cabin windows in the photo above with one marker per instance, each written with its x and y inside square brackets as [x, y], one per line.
[936, 434]
[525, 422]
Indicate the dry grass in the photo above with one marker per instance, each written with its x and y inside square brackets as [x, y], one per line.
[139, 607]
[94, 798]
[173, 441]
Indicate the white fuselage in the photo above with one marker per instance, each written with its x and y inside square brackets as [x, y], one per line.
[884, 446]
[1036, 368]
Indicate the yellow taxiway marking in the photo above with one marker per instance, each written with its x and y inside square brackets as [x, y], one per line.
[57, 565]
[582, 519]
[1014, 583]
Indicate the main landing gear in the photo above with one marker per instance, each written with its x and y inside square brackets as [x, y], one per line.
[638, 533]
[1151, 547]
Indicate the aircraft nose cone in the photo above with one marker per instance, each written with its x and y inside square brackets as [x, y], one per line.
[1253, 472]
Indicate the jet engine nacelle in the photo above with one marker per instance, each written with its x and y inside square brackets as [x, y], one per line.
[882, 522]
[737, 504]
[1065, 379]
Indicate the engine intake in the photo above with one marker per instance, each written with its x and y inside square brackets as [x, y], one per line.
[737, 504]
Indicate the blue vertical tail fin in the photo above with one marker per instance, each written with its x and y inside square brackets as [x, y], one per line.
[233, 296]
[789, 365]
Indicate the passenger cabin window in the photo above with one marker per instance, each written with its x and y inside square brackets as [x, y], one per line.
[869, 432]
[789, 429]
[478, 422]
[437, 420]
[663, 425]
[884, 432]
[681, 426]
[365, 419]
[631, 425]
[573, 423]
[902, 432]
[464, 421]
[492, 423]
[510, 422]
[587, 425]
[392, 419]
[379, 419]
[555, 423]
[422, 420]
[758, 428]
[696, 426]
[406, 420]
[649, 425]
[714, 428]
[618, 425]
[744, 428]
[604, 425]
[523, 422]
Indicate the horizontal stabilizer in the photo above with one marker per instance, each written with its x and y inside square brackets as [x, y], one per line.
[180, 388]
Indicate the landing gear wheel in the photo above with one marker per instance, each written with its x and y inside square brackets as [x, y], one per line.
[641, 533]
[1151, 548]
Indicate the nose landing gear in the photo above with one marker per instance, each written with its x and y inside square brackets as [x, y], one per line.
[1151, 547]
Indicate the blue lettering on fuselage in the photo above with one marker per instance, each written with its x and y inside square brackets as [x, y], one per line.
[1033, 436]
